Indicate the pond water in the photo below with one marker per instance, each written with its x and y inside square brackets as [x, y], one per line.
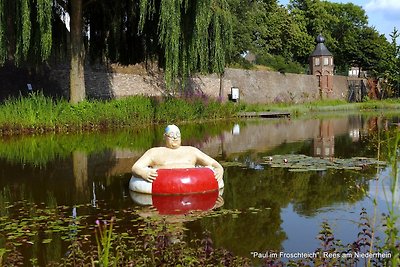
[263, 208]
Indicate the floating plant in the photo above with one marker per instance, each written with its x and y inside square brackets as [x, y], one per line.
[232, 164]
[303, 163]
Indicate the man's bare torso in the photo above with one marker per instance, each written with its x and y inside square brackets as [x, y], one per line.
[167, 158]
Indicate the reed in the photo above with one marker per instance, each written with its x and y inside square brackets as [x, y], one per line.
[391, 218]
[38, 114]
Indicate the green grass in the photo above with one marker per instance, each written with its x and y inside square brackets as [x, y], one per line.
[38, 114]
[325, 105]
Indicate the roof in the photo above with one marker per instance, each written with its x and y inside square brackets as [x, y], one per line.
[320, 48]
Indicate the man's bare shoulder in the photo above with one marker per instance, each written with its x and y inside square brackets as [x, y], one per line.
[154, 150]
[189, 148]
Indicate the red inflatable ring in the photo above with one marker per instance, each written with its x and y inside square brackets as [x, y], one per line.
[177, 204]
[178, 182]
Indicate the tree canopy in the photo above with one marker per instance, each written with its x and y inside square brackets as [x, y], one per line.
[25, 30]
[186, 37]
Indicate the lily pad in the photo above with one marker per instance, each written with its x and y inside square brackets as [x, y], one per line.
[298, 170]
[303, 163]
[232, 164]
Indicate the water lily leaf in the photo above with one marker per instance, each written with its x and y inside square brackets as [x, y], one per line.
[278, 165]
[298, 170]
[302, 163]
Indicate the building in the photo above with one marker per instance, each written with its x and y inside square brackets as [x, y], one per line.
[321, 65]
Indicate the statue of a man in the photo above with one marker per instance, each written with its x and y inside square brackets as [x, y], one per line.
[172, 156]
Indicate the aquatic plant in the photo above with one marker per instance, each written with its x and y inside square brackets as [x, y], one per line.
[147, 242]
[2, 252]
[299, 163]
[104, 237]
[392, 239]
[367, 249]
[331, 251]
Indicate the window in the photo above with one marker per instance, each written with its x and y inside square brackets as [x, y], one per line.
[317, 61]
[326, 61]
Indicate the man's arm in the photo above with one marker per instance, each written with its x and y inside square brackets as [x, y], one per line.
[207, 161]
[142, 166]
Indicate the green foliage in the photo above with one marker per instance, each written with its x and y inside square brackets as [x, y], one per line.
[241, 63]
[44, 11]
[264, 27]
[279, 63]
[24, 29]
[392, 217]
[176, 109]
[3, 51]
[303, 163]
[104, 239]
[38, 151]
[390, 65]
[147, 242]
[196, 38]
[41, 150]
[2, 252]
[345, 28]
[3, 27]
[37, 113]
[19, 21]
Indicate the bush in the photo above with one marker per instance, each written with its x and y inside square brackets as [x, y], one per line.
[279, 63]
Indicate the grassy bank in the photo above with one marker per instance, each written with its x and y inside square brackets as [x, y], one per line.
[38, 114]
[327, 105]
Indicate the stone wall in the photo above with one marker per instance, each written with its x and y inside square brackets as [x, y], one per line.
[273, 87]
[255, 86]
[106, 85]
[340, 87]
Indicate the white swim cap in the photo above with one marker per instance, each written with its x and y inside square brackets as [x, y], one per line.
[172, 128]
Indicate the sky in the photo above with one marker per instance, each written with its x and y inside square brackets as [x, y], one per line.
[384, 15]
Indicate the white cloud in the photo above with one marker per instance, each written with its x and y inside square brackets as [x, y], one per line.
[383, 5]
[384, 15]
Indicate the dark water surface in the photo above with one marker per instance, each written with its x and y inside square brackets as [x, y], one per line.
[266, 208]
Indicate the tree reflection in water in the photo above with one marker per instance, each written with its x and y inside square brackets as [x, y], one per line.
[32, 168]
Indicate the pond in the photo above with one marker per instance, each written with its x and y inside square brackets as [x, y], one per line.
[263, 207]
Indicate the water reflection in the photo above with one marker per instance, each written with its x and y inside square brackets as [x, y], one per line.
[86, 169]
[179, 204]
[324, 143]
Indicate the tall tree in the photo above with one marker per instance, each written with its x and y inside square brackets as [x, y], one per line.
[26, 36]
[264, 28]
[74, 10]
[391, 62]
[194, 35]
[77, 72]
[25, 31]
[345, 28]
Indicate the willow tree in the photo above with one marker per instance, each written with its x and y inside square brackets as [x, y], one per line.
[74, 8]
[26, 37]
[25, 31]
[195, 35]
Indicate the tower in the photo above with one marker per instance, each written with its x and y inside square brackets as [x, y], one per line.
[321, 65]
